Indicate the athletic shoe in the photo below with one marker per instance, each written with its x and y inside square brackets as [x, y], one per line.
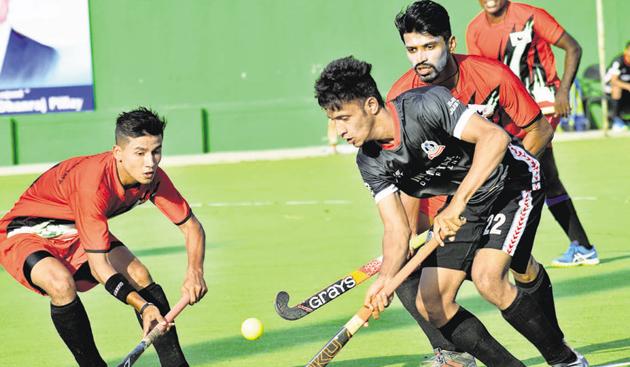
[577, 255]
[580, 361]
[618, 124]
[447, 358]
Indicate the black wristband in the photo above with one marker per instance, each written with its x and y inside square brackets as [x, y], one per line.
[144, 307]
[119, 287]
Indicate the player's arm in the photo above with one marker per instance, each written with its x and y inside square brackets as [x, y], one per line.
[573, 54]
[491, 144]
[538, 136]
[194, 283]
[524, 112]
[616, 82]
[89, 207]
[119, 287]
[396, 235]
[412, 208]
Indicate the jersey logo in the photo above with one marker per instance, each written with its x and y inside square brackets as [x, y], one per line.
[432, 149]
[453, 103]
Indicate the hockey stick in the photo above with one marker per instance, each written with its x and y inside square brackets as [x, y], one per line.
[334, 345]
[336, 289]
[157, 331]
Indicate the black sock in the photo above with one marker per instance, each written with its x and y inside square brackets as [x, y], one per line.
[73, 326]
[167, 346]
[468, 333]
[527, 318]
[407, 293]
[614, 104]
[541, 291]
[564, 212]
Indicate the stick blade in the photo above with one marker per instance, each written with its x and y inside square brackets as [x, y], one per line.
[286, 312]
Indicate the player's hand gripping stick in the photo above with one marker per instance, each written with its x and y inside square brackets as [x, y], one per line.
[155, 333]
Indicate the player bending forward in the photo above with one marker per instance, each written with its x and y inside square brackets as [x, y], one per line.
[422, 143]
[56, 240]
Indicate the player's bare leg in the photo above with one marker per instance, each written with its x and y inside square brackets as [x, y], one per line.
[490, 276]
[126, 263]
[66, 310]
[436, 301]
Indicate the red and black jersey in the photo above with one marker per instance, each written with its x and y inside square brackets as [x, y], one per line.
[80, 194]
[522, 40]
[487, 86]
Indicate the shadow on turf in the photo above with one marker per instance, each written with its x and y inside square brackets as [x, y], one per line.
[294, 335]
[167, 250]
[607, 260]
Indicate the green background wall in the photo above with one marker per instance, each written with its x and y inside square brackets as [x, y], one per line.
[249, 65]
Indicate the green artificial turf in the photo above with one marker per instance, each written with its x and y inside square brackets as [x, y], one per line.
[297, 225]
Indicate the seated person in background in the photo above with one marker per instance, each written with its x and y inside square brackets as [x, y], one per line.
[618, 87]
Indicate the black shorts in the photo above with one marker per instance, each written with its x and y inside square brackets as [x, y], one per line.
[507, 223]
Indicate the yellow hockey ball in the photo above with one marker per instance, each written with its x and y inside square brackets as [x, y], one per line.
[252, 328]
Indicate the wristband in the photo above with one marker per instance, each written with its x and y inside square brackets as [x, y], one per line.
[119, 287]
[144, 307]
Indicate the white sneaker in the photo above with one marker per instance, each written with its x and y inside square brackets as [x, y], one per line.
[446, 358]
[580, 361]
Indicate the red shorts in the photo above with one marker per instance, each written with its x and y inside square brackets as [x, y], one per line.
[430, 206]
[67, 249]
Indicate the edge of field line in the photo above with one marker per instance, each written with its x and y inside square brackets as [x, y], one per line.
[276, 154]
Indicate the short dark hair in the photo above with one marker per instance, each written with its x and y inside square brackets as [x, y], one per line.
[627, 44]
[424, 16]
[139, 122]
[345, 80]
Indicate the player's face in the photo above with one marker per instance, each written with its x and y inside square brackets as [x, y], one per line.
[428, 54]
[352, 122]
[138, 159]
[492, 6]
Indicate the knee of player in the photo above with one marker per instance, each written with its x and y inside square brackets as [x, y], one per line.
[60, 286]
[422, 309]
[139, 274]
[486, 282]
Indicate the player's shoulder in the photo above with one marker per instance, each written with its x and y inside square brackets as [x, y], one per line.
[522, 10]
[403, 84]
[484, 66]
[477, 22]
[421, 95]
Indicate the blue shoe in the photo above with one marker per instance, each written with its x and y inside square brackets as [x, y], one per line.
[618, 124]
[577, 255]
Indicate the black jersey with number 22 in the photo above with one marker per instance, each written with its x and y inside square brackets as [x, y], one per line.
[429, 158]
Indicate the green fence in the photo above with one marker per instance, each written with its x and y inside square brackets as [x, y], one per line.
[238, 74]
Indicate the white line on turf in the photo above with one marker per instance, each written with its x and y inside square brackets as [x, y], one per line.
[219, 204]
[615, 364]
[276, 154]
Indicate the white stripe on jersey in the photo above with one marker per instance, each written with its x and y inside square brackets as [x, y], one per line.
[462, 122]
[385, 192]
[519, 223]
[48, 229]
[534, 166]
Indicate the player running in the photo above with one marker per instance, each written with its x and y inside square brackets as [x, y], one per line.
[520, 35]
[56, 241]
[423, 143]
[494, 91]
